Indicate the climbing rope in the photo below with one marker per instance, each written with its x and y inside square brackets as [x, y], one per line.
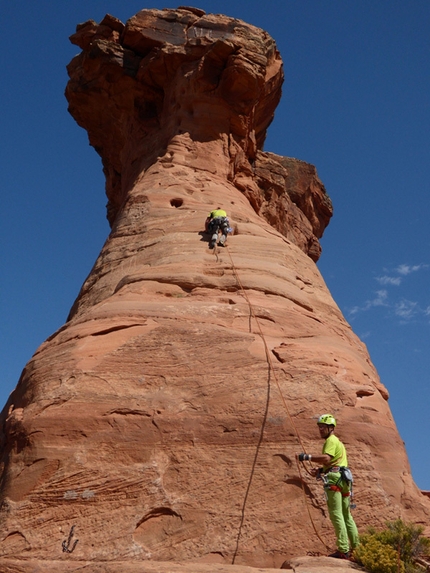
[272, 369]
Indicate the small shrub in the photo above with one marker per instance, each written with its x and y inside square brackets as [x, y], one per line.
[378, 557]
[394, 549]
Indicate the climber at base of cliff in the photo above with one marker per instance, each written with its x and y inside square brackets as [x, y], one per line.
[216, 222]
[337, 480]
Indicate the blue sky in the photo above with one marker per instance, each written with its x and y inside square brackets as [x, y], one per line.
[355, 104]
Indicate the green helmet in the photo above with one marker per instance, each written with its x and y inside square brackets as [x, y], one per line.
[327, 419]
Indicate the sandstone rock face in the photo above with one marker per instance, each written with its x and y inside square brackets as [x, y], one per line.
[160, 422]
[297, 565]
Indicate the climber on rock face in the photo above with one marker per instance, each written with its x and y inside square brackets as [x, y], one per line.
[216, 222]
[337, 480]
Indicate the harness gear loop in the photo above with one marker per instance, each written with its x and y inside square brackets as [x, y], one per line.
[345, 476]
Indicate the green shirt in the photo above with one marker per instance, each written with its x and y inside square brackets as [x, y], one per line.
[334, 448]
[217, 213]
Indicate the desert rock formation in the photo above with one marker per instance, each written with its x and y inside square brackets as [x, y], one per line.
[296, 565]
[160, 422]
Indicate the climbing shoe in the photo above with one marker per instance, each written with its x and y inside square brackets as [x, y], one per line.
[339, 555]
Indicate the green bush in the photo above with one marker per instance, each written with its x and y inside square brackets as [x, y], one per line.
[394, 549]
[378, 557]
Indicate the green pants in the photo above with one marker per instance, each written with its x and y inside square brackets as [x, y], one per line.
[340, 515]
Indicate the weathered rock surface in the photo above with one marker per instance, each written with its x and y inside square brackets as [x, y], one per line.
[297, 565]
[154, 422]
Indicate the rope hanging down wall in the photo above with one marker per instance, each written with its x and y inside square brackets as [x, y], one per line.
[272, 372]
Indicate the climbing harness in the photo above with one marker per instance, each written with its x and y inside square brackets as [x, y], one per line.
[272, 369]
[216, 225]
[345, 476]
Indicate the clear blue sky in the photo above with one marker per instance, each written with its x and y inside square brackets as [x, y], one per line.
[356, 104]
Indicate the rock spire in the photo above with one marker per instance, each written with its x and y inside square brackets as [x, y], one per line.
[160, 422]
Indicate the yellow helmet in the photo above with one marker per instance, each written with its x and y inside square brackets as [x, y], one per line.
[327, 419]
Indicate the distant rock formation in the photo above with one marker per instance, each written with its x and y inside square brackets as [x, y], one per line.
[160, 422]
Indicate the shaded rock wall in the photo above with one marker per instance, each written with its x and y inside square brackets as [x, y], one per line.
[152, 421]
